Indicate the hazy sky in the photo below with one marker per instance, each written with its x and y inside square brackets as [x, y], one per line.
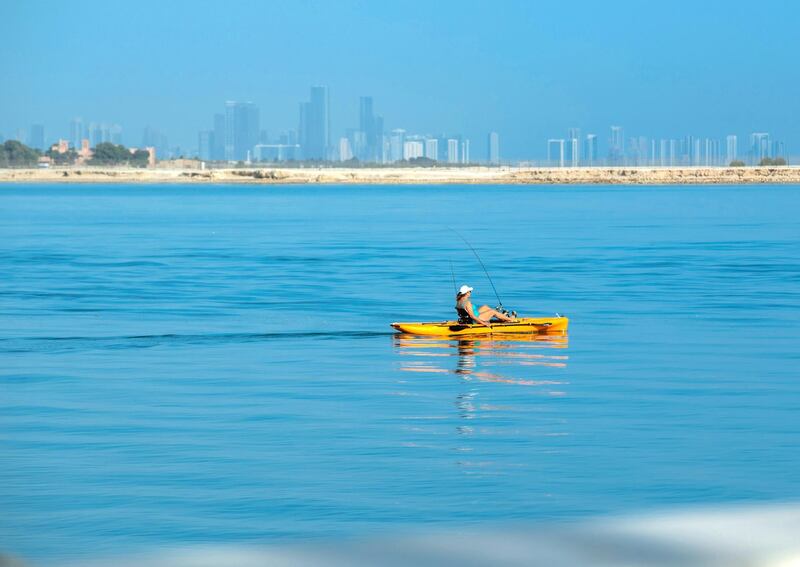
[529, 70]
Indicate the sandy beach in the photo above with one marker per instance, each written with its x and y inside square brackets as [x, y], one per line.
[413, 176]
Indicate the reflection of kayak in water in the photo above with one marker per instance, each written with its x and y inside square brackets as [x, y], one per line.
[525, 325]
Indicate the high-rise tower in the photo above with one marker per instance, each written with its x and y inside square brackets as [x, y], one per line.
[241, 129]
[315, 125]
[494, 148]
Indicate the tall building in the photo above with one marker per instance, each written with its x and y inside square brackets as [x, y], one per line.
[368, 125]
[494, 148]
[465, 151]
[36, 137]
[242, 130]
[413, 149]
[574, 152]
[380, 140]
[397, 141]
[116, 134]
[639, 150]
[452, 150]
[778, 149]
[218, 147]
[590, 151]
[76, 133]
[101, 133]
[432, 148]
[358, 143]
[731, 150]
[152, 138]
[573, 145]
[616, 148]
[205, 144]
[759, 146]
[315, 125]
[345, 150]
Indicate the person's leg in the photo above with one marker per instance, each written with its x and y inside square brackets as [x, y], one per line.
[485, 313]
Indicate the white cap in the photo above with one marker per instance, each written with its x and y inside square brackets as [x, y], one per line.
[464, 289]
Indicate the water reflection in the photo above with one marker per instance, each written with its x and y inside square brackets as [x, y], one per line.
[507, 359]
[485, 416]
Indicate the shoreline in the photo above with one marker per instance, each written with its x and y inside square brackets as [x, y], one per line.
[415, 176]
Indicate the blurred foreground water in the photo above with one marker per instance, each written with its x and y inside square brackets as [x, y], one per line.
[193, 366]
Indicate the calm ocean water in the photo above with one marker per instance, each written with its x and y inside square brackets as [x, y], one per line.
[184, 365]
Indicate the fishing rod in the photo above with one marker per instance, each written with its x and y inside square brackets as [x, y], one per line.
[499, 301]
[453, 274]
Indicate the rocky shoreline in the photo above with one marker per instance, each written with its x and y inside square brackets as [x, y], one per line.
[416, 176]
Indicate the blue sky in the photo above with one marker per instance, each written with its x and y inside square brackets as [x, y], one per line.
[529, 70]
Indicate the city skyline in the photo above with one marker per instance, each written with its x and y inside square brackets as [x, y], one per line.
[237, 136]
[528, 71]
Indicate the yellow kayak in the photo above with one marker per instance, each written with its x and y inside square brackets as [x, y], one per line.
[447, 328]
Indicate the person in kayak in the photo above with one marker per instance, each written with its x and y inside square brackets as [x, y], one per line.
[481, 315]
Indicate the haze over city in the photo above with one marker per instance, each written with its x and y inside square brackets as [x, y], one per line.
[451, 70]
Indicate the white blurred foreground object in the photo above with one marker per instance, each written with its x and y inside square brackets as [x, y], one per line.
[755, 536]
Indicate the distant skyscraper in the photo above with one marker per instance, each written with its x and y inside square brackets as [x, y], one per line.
[573, 145]
[315, 125]
[465, 151]
[759, 146]
[494, 148]
[345, 150]
[358, 143]
[218, 148]
[76, 132]
[116, 134]
[36, 137]
[397, 141]
[99, 133]
[778, 149]
[590, 149]
[230, 109]
[205, 144]
[368, 125]
[380, 139]
[731, 149]
[152, 138]
[639, 150]
[452, 150]
[432, 148]
[574, 153]
[413, 149]
[242, 129]
[616, 150]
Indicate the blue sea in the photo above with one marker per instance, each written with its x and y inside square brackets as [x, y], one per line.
[188, 365]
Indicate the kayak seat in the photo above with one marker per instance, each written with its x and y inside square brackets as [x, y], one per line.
[463, 317]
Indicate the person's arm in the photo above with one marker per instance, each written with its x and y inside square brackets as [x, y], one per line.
[475, 317]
